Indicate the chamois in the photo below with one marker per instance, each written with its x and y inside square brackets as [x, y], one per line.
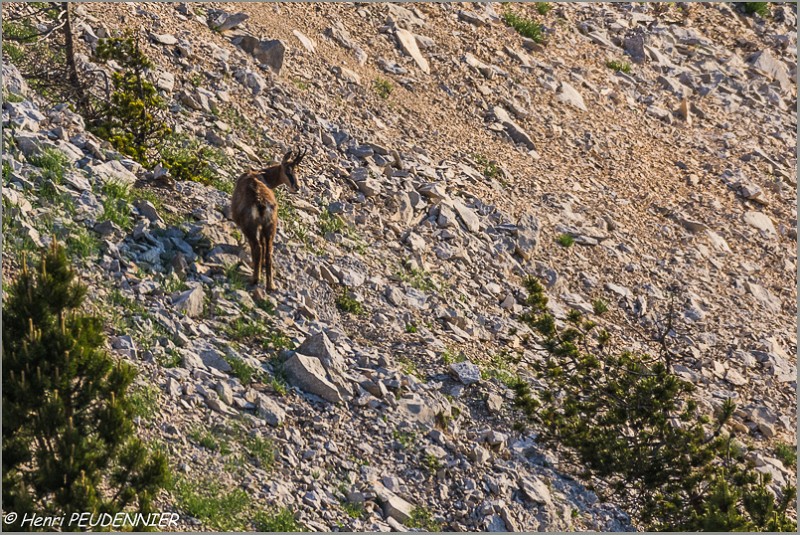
[255, 210]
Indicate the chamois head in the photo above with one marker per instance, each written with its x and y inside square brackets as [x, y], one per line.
[287, 165]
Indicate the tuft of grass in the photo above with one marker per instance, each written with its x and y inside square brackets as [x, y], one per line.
[787, 454]
[451, 357]
[565, 240]
[383, 87]
[489, 168]
[117, 204]
[242, 370]
[347, 303]
[524, 26]
[761, 9]
[170, 359]
[411, 328]
[405, 438]
[422, 518]
[432, 463]
[543, 8]
[210, 440]
[214, 505]
[144, 401]
[599, 306]
[353, 509]
[617, 65]
[332, 223]
[81, 243]
[235, 279]
[263, 452]
[417, 278]
[53, 163]
[277, 520]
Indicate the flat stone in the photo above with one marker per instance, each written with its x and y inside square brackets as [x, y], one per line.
[308, 374]
[307, 43]
[163, 39]
[190, 302]
[760, 221]
[270, 411]
[569, 95]
[408, 44]
[466, 372]
[320, 346]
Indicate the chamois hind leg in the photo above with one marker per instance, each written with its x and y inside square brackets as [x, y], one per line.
[256, 254]
[269, 240]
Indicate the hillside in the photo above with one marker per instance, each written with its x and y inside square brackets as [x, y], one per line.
[642, 156]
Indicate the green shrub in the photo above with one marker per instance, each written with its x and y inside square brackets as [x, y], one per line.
[423, 519]
[263, 451]
[347, 303]
[633, 427]
[383, 87]
[132, 120]
[69, 443]
[759, 8]
[214, 505]
[524, 26]
[565, 240]
[117, 204]
[787, 454]
[617, 65]
[277, 520]
[189, 159]
[543, 7]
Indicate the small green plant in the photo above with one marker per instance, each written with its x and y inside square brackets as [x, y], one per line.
[565, 240]
[347, 303]
[422, 518]
[353, 509]
[300, 84]
[332, 223]
[53, 163]
[170, 359]
[761, 9]
[417, 278]
[599, 306]
[489, 168]
[617, 65]
[81, 243]
[432, 463]
[117, 204]
[787, 454]
[215, 506]
[411, 328]
[277, 520]
[211, 440]
[242, 370]
[263, 452]
[524, 26]
[543, 8]
[383, 87]
[144, 401]
[450, 357]
[405, 438]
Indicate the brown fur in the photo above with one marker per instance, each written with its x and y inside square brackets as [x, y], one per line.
[255, 210]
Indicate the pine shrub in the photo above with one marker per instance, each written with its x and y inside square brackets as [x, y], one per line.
[630, 422]
[132, 119]
[68, 436]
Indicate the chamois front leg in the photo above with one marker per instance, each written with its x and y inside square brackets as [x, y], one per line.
[270, 239]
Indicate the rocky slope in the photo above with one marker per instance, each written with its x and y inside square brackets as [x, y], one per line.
[446, 156]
